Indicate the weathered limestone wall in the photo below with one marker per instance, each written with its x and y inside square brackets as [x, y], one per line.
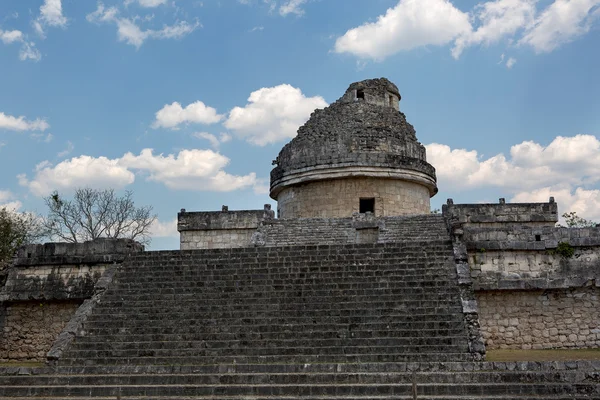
[340, 198]
[45, 286]
[540, 319]
[217, 239]
[502, 215]
[29, 328]
[219, 229]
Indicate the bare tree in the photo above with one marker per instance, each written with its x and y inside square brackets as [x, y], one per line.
[96, 214]
[17, 229]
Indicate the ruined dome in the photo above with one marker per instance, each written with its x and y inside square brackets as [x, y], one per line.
[362, 134]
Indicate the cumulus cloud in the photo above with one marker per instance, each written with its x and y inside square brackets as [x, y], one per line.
[50, 15]
[6, 195]
[8, 37]
[130, 32]
[164, 228]
[41, 137]
[9, 122]
[572, 160]
[586, 203]
[497, 20]
[561, 22]
[68, 150]
[190, 169]
[415, 23]
[147, 3]
[410, 24]
[511, 62]
[80, 171]
[292, 7]
[199, 170]
[29, 52]
[173, 115]
[8, 201]
[272, 114]
[214, 141]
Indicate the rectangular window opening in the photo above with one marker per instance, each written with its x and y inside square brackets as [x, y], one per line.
[360, 94]
[538, 238]
[391, 100]
[367, 205]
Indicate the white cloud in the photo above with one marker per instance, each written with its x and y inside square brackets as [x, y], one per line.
[129, 32]
[195, 169]
[173, 115]
[498, 19]
[410, 24]
[214, 141]
[572, 160]
[147, 3]
[511, 62]
[272, 114]
[50, 15]
[12, 205]
[7, 201]
[8, 37]
[586, 203]
[9, 122]
[70, 147]
[29, 52]
[561, 22]
[164, 228]
[77, 172]
[257, 28]
[190, 169]
[41, 137]
[6, 195]
[292, 7]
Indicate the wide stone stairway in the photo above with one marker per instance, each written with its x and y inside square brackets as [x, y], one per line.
[369, 321]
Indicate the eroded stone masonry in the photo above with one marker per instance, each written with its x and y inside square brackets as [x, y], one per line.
[353, 289]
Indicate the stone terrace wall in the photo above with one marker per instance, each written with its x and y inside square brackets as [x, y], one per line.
[29, 328]
[540, 319]
[502, 214]
[44, 287]
[361, 228]
[532, 294]
[219, 229]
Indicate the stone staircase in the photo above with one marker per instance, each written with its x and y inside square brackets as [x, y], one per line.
[370, 321]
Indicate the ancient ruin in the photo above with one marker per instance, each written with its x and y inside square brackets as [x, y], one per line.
[354, 290]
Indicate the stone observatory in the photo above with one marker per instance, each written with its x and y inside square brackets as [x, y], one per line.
[358, 155]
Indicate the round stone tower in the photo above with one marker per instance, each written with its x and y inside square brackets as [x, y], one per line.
[357, 155]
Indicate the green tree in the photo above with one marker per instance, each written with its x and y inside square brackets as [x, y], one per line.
[93, 214]
[17, 229]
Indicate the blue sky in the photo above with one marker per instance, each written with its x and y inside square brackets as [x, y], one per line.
[186, 102]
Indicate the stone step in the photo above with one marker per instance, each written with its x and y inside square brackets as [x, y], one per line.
[265, 350]
[292, 322]
[234, 311]
[388, 328]
[481, 377]
[270, 343]
[372, 357]
[405, 268]
[240, 332]
[285, 302]
[302, 391]
[401, 313]
[333, 294]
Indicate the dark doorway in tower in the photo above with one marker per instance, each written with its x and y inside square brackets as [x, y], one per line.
[367, 205]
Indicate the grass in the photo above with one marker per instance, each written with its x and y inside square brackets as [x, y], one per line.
[543, 355]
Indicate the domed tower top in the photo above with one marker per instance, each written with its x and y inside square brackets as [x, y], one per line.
[360, 147]
[380, 92]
